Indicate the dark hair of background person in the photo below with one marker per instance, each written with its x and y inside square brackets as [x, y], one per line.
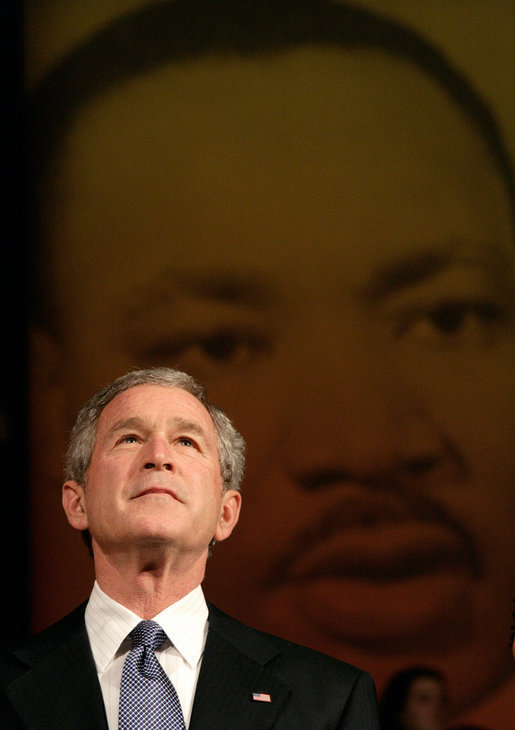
[14, 525]
[396, 693]
[180, 30]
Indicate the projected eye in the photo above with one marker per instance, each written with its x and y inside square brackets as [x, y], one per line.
[228, 348]
[466, 321]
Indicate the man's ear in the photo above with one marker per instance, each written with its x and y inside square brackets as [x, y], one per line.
[74, 505]
[229, 515]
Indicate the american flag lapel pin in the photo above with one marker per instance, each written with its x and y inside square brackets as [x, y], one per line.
[261, 697]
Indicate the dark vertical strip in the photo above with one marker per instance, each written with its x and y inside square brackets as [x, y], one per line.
[14, 455]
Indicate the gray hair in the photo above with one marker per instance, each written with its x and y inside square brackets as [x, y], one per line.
[231, 446]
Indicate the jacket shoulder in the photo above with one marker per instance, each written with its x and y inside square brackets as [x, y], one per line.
[15, 657]
[49, 681]
[306, 687]
[264, 646]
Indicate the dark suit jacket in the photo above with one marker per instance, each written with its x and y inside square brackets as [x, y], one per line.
[50, 683]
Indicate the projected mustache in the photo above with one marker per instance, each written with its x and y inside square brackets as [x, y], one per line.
[377, 533]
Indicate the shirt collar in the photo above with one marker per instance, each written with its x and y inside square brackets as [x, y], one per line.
[108, 623]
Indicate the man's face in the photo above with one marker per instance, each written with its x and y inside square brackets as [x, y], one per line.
[154, 477]
[425, 707]
[323, 241]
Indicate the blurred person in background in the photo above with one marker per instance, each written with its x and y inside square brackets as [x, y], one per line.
[414, 699]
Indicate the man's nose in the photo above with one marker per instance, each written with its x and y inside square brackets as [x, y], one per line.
[351, 416]
[157, 454]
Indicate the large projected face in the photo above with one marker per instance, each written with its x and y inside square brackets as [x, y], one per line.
[321, 239]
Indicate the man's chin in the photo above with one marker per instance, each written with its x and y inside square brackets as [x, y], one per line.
[137, 540]
[383, 633]
[421, 613]
[164, 541]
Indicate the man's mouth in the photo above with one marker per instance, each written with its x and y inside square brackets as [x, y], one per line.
[381, 569]
[380, 537]
[157, 491]
[386, 552]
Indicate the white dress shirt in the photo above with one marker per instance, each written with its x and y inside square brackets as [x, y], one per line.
[108, 624]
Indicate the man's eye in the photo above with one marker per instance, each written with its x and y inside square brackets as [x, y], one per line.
[470, 322]
[225, 347]
[129, 439]
[451, 318]
[185, 441]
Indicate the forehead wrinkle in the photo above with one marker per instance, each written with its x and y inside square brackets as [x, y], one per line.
[146, 424]
[131, 422]
[188, 425]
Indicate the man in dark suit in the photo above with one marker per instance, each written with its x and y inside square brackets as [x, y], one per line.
[153, 475]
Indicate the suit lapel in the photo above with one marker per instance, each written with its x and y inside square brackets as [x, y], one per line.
[233, 669]
[59, 688]
[56, 684]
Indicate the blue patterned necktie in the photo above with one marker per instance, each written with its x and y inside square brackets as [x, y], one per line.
[148, 700]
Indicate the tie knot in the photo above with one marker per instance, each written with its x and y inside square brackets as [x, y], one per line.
[147, 633]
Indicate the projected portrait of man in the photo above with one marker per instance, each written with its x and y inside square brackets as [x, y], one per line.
[305, 207]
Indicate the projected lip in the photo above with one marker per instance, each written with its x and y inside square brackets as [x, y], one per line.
[385, 552]
[379, 538]
[381, 570]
